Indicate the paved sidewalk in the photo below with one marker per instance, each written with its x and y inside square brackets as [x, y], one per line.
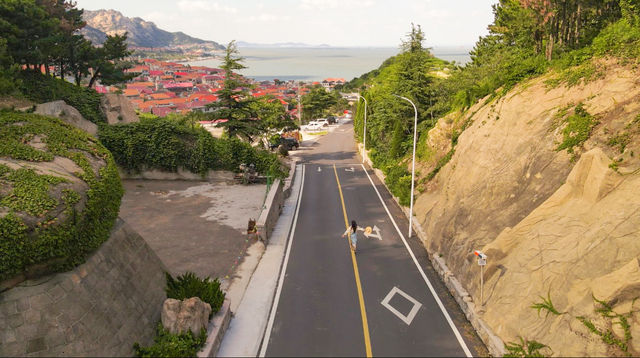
[245, 333]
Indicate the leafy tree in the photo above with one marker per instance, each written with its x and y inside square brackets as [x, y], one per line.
[108, 64]
[79, 57]
[24, 25]
[316, 103]
[630, 10]
[273, 116]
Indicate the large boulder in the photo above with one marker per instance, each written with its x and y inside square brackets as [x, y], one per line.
[118, 109]
[191, 314]
[59, 196]
[60, 109]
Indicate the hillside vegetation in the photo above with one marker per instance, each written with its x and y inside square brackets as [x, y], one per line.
[532, 158]
[59, 195]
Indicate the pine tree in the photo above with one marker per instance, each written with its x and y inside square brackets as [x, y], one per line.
[235, 104]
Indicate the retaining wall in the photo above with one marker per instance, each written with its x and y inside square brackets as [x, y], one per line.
[98, 309]
[271, 210]
[181, 174]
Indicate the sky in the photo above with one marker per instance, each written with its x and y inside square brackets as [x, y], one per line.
[347, 23]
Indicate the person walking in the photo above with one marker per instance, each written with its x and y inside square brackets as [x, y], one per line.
[353, 236]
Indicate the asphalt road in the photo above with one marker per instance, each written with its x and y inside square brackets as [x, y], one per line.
[376, 302]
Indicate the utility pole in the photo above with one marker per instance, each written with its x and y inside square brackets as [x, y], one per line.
[299, 105]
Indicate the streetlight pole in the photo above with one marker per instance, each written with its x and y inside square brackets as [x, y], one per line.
[413, 163]
[364, 137]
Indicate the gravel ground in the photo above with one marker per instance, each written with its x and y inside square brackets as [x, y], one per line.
[194, 226]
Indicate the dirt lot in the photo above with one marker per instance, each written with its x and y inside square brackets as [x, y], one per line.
[193, 226]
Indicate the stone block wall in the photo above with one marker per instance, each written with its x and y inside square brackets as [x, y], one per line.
[271, 211]
[98, 309]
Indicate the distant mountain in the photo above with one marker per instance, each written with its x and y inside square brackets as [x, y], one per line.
[280, 45]
[142, 33]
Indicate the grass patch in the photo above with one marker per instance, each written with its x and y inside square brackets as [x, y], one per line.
[318, 133]
[189, 285]
[620, 141]
[573, 76]
[172, 345]
[578, 129]
[546, 305]
[527, 348]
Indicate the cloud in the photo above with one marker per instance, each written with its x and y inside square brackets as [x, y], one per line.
[264, 17]
[203, 5]
[335, 4]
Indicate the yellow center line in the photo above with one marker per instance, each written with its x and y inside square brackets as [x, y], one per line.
[363, 311]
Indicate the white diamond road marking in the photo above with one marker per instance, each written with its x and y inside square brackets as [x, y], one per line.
[408, 318]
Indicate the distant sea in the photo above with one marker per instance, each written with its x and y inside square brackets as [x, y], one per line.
[316, 64]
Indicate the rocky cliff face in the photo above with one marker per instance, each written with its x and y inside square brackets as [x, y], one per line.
[560, 225]
[142, 33]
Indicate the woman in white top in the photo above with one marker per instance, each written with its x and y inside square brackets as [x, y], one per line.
[353, 236]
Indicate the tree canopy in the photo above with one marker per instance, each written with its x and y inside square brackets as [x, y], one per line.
[39, 34]
[245, 116]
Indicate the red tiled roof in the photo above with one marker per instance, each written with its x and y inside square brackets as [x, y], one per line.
[179, 85]
[131, 92]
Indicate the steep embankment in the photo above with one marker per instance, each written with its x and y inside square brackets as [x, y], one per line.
[553, 223]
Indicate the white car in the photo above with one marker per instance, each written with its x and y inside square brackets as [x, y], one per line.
[323, 122]
[312, 126]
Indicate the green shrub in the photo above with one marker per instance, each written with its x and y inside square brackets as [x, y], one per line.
[578, 129]
[55, 245]
[165, 144]
[398, 180]
[172, 345]
[282, 150]
[189, 285]
[527, 348]
[41, 88]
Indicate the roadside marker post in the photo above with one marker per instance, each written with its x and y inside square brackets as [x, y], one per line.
[482, 262]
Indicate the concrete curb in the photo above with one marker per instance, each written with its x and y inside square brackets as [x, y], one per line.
[247, 328]
[216, 329]
[494, 344]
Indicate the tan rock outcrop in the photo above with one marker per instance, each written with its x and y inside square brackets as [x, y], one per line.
[118, 109]
[181, 316]
[549, 223]
[60, 109]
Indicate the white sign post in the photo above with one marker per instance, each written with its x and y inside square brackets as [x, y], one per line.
[482, 262]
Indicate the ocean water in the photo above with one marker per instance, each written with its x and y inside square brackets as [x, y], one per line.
[316, 64]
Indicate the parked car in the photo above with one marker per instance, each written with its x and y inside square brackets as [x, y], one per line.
[323, 122]
[289, 143]
[331, 120]
[313, 125]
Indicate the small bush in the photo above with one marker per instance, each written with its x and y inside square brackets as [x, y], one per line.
[189, 285]
[527, 348]
[283, 151]
[578, 129]
[172, 345]
[398, 180]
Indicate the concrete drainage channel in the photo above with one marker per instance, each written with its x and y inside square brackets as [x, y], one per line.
[494, 344]
[267, 222]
